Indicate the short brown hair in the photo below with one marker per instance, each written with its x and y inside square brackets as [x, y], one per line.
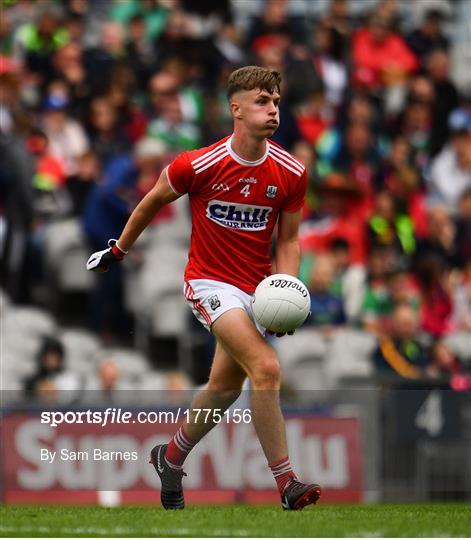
[250, 77]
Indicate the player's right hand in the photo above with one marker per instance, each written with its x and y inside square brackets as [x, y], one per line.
[100, 261]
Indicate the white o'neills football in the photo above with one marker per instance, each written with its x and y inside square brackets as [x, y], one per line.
[281, 303]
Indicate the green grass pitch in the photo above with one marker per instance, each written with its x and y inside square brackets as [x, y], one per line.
[413, 520]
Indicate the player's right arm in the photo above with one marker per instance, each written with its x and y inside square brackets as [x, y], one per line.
[160, 195]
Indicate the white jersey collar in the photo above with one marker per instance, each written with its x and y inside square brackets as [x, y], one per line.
[243, 161]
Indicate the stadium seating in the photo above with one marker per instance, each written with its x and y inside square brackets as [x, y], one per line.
[313, 361]
[349, 355]
[461, 50]
[81, 349]
[4, 302]
[65, 252]
[23, 328]
[460, 344]
[303, 361]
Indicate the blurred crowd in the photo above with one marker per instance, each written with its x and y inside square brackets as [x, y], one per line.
[55, 381]
[96, 97]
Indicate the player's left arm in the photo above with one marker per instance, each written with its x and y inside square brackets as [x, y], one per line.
[288, 252]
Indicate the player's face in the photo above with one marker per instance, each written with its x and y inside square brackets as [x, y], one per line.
[258, 110]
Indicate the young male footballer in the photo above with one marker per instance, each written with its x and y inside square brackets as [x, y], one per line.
[239, 188]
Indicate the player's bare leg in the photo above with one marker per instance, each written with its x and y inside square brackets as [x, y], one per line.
[223, 388]
[240, 338]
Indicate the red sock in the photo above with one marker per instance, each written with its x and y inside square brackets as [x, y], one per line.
[178, 448]
[282, 472]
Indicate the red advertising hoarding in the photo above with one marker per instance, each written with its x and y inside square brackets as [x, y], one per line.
[86, 463]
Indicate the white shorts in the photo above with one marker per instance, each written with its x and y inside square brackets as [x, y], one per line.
[209, 299]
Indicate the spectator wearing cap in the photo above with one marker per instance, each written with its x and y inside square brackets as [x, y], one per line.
[68, 66]
[67, 138]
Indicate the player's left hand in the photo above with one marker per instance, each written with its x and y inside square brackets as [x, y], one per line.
[100, 261]
[280, 334]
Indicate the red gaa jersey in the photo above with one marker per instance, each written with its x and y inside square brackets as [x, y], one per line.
[234, 207]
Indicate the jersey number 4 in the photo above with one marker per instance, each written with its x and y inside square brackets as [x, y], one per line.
[245, 190]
